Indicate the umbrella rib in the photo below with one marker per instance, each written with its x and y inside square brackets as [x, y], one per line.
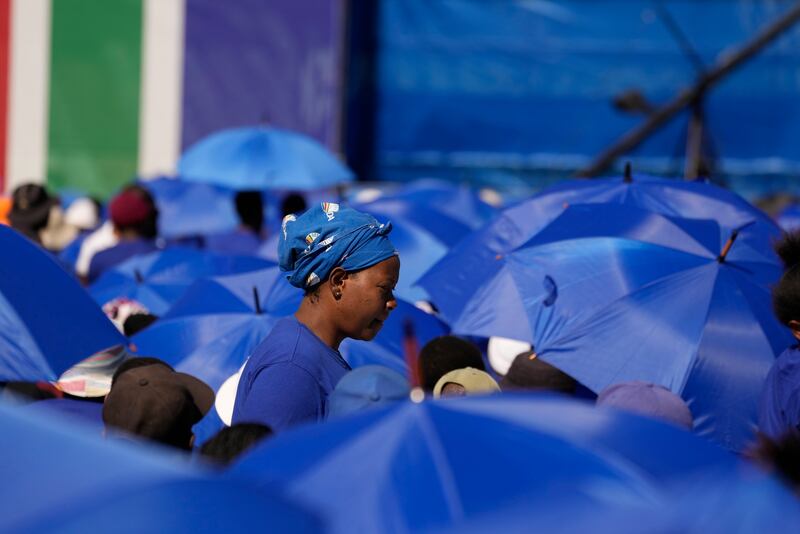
[449, 485]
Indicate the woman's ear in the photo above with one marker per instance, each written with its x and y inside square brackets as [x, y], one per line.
[336, 282]
[794, 326]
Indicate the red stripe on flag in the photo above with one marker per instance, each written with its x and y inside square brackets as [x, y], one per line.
[5, 53]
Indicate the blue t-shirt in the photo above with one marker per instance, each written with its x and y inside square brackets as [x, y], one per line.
[288, 378]
[779, 406]
[108, 258]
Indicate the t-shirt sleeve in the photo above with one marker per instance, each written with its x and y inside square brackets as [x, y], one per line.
[280, 395]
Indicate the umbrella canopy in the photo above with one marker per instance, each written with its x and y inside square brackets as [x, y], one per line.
[412, 467]
[59, 479]
[262, 158]
[213, 328]
[447, 210]
[693, 200]
[189, 208]
[158, 279]
[47, 321]
[611, 293]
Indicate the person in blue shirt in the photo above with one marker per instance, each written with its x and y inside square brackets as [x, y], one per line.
[246, 238]
[344, 262]
[779, 405]
[135, 218]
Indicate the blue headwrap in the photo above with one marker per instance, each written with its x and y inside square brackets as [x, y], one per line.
[329, 236]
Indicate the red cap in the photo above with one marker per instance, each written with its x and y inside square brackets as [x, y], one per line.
[129, 208]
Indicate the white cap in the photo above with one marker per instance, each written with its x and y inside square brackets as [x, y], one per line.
[82, 213]
[226, 396]
[502, 352]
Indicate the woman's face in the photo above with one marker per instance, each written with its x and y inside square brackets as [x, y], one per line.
[367, 299]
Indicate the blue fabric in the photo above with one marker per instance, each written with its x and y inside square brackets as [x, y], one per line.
[443, 463]
[610, 293]
[779, 406]
[188, 208]
[57, 479]
[237, 241]
[371, 386]
[157, 280]
[328, 236]
[262, 158]
[47, 321]
[83, 411]
[110, 257]
[288, 378]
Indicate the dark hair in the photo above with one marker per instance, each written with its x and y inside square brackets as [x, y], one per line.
[786, 293]
[293, 204]
[443, 354]
[133, 363]
[781, 456]
[250, 208]
[227, 444]
[527, 373]
[137, 322]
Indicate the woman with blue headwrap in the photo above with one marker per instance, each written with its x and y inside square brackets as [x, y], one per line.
[348, 268]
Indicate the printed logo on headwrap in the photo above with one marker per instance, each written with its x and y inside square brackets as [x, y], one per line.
[311, 237]
[312, 280]
[289, 218]
[330, 209]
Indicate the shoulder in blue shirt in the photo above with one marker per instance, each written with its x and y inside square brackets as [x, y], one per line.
[779, 406]
[288, 378]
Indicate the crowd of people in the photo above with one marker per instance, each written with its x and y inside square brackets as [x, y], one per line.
[346, 267]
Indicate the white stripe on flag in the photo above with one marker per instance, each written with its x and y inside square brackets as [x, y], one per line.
[161, 87]
[29, 91]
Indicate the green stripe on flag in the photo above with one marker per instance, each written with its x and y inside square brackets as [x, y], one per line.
[94, 94]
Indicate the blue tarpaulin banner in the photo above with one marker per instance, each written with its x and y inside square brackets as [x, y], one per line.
[468, 86]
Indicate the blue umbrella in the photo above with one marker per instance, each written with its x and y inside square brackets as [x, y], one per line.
[446, 210]
[213, 328]
[789, 218]
[262, 158]
[742, 500]
[190, 208]
[610, 293]
[158, 279]
[57, 478]
[414, 467]
[47, 321]
[693, 200]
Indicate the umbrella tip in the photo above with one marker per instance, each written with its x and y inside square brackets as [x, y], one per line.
[628, 176]
[727, 247]
[256, 301]
[137, 274]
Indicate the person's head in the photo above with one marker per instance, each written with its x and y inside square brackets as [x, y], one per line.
[528, 372]
[443, 354]
[30, 210]
[230, 442]
[647, 399]
[293, 204]
[134, 214]
[786, 293]
[153, 401]
[84, 213]
[366, 387]
[250, 209]
[780, 456]
[136, 322]
[461, 382]
[347, 267]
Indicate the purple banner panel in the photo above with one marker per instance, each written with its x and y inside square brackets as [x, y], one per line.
[253, 61]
